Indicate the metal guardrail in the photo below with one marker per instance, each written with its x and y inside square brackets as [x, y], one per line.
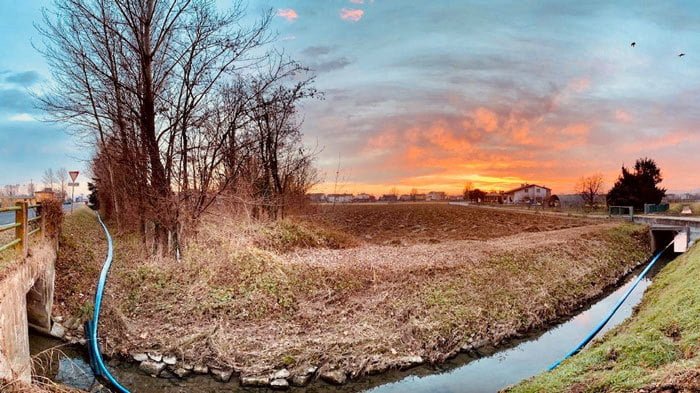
[22, 226]
[625, 211]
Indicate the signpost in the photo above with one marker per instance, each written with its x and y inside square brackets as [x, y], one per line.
[73, 184]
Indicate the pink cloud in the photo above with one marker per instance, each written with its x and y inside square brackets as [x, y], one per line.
[287, 13]
[357, 1]
[350, 14]
[580, 85]
[670, 139]
[622, 116]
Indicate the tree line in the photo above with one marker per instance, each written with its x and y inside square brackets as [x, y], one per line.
[186, 106]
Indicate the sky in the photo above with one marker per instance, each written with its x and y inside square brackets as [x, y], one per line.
[431, 95]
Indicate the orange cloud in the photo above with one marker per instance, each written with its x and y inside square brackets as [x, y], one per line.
[485, 119]
[287, 13]
[350, 14]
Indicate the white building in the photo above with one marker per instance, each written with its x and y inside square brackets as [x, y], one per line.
[436, 196]
[527, 193]
[339, 198]
[363, 198]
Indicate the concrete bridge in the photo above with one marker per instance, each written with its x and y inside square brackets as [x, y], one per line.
[26, 287]
[683, 231]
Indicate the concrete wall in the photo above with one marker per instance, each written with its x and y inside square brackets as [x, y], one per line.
[26, 297]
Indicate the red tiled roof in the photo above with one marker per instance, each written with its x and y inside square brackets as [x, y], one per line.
[526, 186]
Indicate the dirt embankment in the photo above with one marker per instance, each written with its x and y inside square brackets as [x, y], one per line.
[235, 302]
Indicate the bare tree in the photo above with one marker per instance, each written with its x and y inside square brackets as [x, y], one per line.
[11, 190]
[589, 187]
[62, 180]
[30, 189]
[180, 99]
[467, 189]
[49, 178]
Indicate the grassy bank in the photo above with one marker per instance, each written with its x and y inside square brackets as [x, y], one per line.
[657, 350]
[259, 297]
[677, 208]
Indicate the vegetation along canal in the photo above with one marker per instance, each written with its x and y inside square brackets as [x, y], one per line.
[488, 371]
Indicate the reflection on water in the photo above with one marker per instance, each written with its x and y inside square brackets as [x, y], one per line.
[487, 374]
[74, 372]
[504, 368]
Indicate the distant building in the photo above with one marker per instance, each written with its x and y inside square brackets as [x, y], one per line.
[405, 198]
[45, 194]
[494, 197]
[573, 201]
[419, 197]
[317, 197]
[339, 198]
[364, 198]
[456, 197]
[388, 198]
[527, 193]
[436, 196]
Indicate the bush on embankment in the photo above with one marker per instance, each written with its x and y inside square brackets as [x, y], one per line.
[657, 349]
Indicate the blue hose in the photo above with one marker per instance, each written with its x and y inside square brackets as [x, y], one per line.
[605, 320]
[96, 361]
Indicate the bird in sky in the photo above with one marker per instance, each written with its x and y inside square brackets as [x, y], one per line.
[633, 44]
[681, 55]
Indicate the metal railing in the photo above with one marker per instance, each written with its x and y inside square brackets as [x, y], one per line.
[23, 225]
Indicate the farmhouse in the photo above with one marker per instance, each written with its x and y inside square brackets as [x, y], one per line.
[527, 193]
[388, 198]
[436, 196]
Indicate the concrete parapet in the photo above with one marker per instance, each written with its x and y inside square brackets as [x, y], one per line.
[26, 297]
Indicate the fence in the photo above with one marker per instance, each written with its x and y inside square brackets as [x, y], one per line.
[655, 208]
[23, 226]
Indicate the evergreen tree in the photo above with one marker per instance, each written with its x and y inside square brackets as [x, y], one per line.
[92, 198]
[635, 188]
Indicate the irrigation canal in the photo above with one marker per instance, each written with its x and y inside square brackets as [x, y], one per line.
[522, 359]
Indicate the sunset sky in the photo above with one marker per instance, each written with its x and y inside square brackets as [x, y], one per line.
[433, 94]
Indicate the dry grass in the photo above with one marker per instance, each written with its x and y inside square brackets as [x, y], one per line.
[41, 385]
[255, 305]
[677, 208]
[44, 364]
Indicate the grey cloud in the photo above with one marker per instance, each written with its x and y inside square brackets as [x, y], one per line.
[25, 79]
[331, 65]
[15, 101]
[316, 50]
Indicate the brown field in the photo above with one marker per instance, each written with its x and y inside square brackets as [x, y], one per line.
[314, 291]
[403, 223]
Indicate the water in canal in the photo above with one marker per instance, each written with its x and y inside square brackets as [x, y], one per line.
[459, 375]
